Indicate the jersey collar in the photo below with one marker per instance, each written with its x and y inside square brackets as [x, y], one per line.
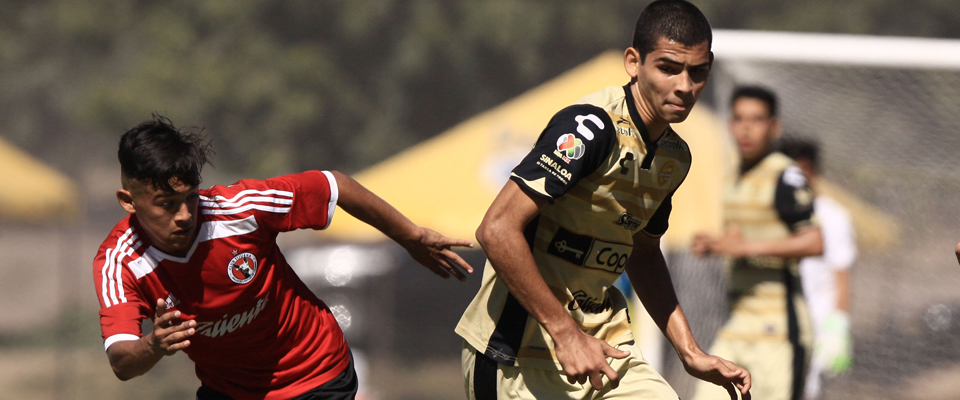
[642, 128]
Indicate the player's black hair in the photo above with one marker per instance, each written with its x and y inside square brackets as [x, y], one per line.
[155, 151]
[676, 20]
[759, 93]
[800, 148]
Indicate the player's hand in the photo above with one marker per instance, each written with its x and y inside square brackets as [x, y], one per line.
[169, 337]
[728, 244]
[720, 372]
[432, 250]
[702, 243]
[584, 357]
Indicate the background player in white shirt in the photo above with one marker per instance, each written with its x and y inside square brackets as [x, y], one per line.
[826, 278]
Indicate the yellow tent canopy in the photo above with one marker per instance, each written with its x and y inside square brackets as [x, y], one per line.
[33, 191]
[447, 183]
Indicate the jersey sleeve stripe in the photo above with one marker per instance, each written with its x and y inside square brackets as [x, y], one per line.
[249, 191]
[112, 288]
[261, 199]
[334, 196]
[121, 337]
[279, 210]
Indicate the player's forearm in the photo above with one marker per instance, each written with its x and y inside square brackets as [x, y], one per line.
[805, 243]
[650, 278]
[366, 206]
[132, 358]
[842, 279]
[512, 260]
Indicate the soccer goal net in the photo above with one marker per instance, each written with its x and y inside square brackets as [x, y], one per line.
[886, 112]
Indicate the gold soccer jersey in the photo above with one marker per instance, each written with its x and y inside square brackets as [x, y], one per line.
[605, 181]
[768, 330]
[768, 202]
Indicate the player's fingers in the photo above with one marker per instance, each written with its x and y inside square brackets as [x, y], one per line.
[614, 352]
[161, 307]
[452, 256]
[596, 379]
[747, 383]
[611, 374]
[437, 269]
[448, 266]
[165, 321]
[179, 346]
[448, 242]
[730, 370]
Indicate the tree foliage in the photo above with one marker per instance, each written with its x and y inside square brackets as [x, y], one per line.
[289, 85]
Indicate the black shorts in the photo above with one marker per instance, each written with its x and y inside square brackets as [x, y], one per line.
[343, 387]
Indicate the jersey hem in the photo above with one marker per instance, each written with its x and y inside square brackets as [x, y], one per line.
[120, 337]
[334, 196]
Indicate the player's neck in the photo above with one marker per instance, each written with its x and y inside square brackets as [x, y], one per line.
[655, 126]
[747, 164]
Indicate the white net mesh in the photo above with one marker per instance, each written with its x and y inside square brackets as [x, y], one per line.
[889, 136]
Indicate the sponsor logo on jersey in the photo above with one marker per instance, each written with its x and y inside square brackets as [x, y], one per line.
[666, 172]
[590, 252]
[554, 168]
[242, 268]
[628, 222]
[171, 301]
[228, 324]
[623, 163]
[588, 304]
[669, 144]
[569, 147]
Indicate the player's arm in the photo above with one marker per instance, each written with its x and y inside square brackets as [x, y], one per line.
[794, 205]
[806, 242]
[428, 247]
[501, 235]
[647, 271]
[132, 358]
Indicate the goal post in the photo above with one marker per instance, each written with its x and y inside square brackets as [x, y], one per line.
[886, 112]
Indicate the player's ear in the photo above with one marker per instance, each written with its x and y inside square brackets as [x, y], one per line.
[775, 129]
[632, 62]
[126, 201]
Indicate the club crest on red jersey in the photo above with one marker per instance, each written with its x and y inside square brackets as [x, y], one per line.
[242, 268]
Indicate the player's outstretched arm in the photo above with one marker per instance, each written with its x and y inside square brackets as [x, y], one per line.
[802, 243]
[133, 358]
[649, 276]
[582, 356]
[429, 248]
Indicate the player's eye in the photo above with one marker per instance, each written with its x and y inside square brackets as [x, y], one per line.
[668, 69]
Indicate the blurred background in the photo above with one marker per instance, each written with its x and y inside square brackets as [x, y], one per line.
[430, 103]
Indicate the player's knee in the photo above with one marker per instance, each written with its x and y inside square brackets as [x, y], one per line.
[958, 249]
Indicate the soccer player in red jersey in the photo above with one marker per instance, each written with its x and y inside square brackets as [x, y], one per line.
[205, 266]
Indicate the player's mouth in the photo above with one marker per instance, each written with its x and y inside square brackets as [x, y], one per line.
[181, 232]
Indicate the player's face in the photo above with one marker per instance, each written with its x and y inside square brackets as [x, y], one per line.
[671, 78]
[169, 218]
[753, 128]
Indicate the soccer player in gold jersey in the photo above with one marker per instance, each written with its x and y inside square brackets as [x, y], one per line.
[769, 220]
[589, 202]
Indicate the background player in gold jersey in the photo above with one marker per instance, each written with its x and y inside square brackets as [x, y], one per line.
[768, 213]
[589, 202]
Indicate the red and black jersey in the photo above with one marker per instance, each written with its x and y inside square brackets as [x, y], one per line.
[261, 333]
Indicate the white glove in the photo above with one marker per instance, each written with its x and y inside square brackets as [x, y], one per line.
[833, 348]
